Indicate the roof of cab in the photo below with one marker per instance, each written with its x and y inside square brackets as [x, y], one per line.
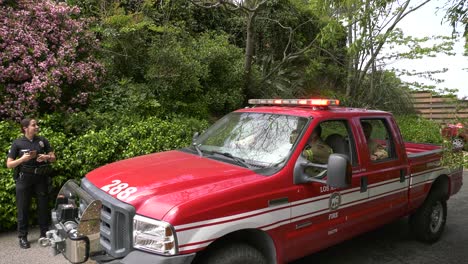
[310, 111]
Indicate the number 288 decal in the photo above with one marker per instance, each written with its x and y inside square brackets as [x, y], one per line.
[120, 188]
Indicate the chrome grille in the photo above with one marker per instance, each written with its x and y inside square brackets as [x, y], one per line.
[116, 221]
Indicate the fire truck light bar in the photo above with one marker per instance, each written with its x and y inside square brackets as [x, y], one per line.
[305, 102]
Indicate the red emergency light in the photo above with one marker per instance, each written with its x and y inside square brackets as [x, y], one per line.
[304, 102]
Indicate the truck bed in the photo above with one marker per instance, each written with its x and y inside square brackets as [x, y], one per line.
[419, 150]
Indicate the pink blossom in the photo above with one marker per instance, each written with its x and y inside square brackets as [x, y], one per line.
[44, 51]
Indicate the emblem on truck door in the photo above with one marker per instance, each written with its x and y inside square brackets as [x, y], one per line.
[335, 201]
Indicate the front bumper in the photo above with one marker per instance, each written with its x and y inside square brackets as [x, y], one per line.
[142, 257]
[96, 227]
[76, 224]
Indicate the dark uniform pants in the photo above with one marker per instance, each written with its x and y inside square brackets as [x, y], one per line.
[26, 185]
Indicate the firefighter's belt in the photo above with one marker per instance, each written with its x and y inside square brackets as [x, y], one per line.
[39, 170]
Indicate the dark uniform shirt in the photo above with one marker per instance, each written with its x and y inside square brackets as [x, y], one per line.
[23, 144]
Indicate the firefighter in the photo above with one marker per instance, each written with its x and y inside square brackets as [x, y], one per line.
[30, 156]
[316, 150]
[376, 150]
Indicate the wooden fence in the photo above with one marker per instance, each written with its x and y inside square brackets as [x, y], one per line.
[440, 109]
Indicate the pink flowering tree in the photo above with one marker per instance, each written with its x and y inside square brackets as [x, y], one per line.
[45, 58]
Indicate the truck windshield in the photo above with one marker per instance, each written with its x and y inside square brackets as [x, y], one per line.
[258, 139]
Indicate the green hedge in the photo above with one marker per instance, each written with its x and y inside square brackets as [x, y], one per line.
[418, 129]
[79, 154]
[8, 132]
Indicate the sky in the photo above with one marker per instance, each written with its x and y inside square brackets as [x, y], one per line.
[426, 22]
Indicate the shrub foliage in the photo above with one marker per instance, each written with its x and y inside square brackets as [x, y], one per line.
[79, 154]
[45, 58]
[417, 129]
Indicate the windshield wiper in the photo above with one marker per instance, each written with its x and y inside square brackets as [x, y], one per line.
[197, 148]
[236, 159]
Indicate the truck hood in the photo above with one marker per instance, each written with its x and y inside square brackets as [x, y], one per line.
[155, 183]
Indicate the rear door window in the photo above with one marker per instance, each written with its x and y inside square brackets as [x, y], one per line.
[379, 141]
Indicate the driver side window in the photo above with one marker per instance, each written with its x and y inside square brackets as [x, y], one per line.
[328, 137]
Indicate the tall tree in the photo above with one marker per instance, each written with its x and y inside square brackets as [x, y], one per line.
[410, 48]
[163, 57]
[457, 13]
[369, 25]
[282, 59]
[250, 9]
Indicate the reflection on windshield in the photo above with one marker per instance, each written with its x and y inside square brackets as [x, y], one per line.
[260, 139]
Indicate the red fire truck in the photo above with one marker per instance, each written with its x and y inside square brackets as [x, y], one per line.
[245, 192]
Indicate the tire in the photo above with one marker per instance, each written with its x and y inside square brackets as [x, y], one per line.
[428, 222]
[458, 143]
[234, 254]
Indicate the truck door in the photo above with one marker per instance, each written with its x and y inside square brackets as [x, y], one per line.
[322, 216]
[386, 170]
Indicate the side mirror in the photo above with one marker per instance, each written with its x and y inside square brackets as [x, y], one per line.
[195, 136]
[339, 173]
[299, 170]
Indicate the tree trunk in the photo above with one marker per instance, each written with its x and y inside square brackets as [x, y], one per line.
[350, 75]
[249, 53]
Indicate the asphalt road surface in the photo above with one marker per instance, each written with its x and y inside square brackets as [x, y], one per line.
[391, 244]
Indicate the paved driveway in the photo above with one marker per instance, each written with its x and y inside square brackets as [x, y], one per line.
[11, 253]
[391, 244]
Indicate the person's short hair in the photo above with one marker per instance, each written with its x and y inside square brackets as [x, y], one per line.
[25, 123]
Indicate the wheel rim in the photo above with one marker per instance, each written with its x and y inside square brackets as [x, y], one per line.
[458, 143]
[436, 217]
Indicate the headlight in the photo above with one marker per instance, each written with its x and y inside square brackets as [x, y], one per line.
[154, 236]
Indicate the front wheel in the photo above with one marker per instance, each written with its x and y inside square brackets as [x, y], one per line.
[428, 222]
[235, 254]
